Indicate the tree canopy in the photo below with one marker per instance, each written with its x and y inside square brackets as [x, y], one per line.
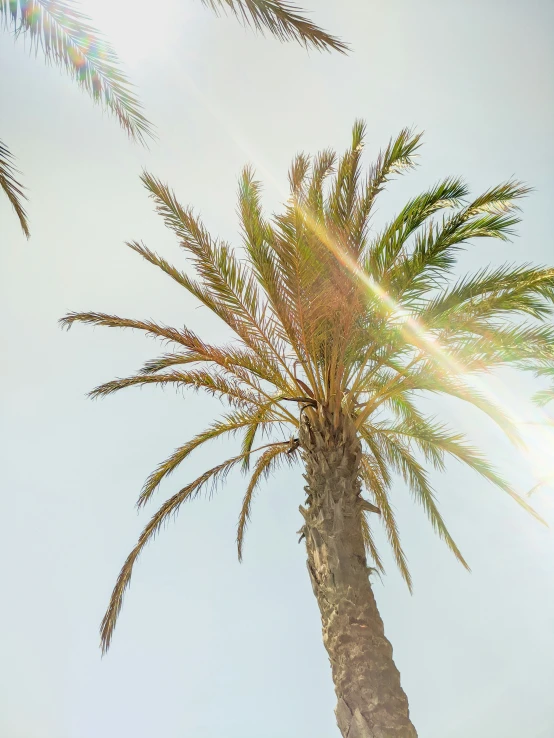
[327, 310]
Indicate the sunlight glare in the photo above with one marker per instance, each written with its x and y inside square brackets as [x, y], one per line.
[535, 427]
[138, 29]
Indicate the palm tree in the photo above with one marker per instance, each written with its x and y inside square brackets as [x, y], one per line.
[67, 38]
[337, 330]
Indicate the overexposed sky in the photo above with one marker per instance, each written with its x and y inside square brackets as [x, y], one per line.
[206, 647]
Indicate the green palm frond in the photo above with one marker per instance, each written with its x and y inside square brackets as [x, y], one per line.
[330, 313]
[398, 157]
[12, 187]
[261, 421]
[429, 260]
[388, 245]
[228, 289]
[490, 293]
[543, 397]
[282, 19]
[66, 37]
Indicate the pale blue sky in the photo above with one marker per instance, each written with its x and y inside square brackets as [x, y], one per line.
[206, 647]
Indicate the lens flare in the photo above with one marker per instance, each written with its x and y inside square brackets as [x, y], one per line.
[535, 439]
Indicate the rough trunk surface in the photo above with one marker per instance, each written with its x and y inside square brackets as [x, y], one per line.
[370, 700]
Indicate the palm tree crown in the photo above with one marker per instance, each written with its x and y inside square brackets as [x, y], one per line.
[329, 313]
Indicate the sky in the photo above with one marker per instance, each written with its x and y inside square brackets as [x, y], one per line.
[206, 646]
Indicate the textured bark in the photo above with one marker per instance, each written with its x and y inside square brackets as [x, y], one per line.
[370, 700]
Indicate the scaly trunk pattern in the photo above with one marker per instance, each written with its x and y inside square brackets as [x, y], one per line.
[371, 702]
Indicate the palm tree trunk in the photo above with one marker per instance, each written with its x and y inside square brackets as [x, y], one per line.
[370, 700]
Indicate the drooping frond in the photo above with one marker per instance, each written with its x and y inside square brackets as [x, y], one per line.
[170, 507]
[370, 545]
[261, 421]
[400, 458]
[214, 476]
[12, 188]
[282, 19]
[265, 464]
[370, 472]
[455, 387]
[66, 37]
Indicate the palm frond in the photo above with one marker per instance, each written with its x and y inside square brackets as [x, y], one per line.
[213, 384]
[398, 157]
[388, 245]
[519, 345]
[369, 543]
[171, 359]
[12, 187]
[434, 252]
[381, 497]
[272, 264]
[404, 462]
[341, 201]
[170, 507]
[260, 421]
[433, 377]
[282, 19]
[489, 293]
[433, 438]
[230, 358]
[461, 390]
[229, 424]
[172, 335]
[228, 289]
[544, 396]
[249, 333]
[265, 464]
[66, 37]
